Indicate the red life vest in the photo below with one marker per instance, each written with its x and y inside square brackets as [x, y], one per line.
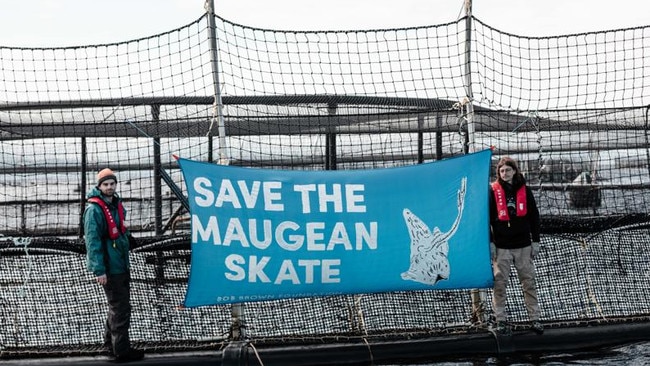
[113, 231]
[500, 199]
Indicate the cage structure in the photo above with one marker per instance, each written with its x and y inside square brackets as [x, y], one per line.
[572, 109]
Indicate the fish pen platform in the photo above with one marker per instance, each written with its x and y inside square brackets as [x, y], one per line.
[219, 92]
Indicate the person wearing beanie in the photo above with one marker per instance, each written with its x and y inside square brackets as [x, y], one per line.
[105, 174]
[107, 258]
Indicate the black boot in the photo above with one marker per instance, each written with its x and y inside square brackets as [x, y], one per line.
[131, 355]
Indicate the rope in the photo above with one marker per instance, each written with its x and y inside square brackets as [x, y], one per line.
[590, 293]
[24, 242]
[372, 357]
[462, 120]
[359, 313]
[257, 355]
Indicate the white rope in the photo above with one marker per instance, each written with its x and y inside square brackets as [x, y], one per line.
[257, 355]
[463, 114]
[590, 292]
[359, 313]
[24, 242]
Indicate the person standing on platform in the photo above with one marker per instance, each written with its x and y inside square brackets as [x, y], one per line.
[107, 248]
[515, 227]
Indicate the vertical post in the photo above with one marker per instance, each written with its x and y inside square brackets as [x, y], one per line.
[469, 106]
[210, 135]
[330, 153]
[218, 103]
[330, 140]
[237, 326]
[159, 261]
[647, 140]
[157, 167]
[237, 311]
[82, 187]
[420, 139]
[478, 296]
[438, 136]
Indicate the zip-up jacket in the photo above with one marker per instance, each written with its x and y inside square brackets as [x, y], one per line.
[105, 255]
[515, 231]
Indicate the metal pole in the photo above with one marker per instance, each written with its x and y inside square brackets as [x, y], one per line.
[82, 186]
[420, 139]
[478, 296]
[218, 103]
[330, 140]
[438, 136]
[157, 167]
[469, 106]
[237, 311]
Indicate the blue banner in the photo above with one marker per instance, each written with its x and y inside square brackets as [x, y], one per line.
[261, 234]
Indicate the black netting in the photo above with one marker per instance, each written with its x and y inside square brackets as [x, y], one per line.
[572, 109]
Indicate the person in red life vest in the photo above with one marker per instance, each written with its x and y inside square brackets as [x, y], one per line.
[107, 248]
[514, 234]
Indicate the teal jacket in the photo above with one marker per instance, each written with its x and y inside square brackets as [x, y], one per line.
[104, 256]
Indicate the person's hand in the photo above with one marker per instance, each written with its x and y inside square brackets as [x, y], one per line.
[101, 279]
[493, 251]
[535, 250]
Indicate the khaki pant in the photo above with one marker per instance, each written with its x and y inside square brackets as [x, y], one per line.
[523, 262]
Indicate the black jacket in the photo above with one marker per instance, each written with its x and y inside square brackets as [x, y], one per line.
[518, 231]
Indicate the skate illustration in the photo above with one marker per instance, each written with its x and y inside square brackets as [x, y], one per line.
[429, 262]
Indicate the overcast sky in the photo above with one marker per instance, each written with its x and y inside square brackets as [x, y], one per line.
[55, 23]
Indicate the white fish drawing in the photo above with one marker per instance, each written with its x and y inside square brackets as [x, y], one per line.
[429, 262]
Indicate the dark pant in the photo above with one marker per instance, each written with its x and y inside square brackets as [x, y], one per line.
[116, 330]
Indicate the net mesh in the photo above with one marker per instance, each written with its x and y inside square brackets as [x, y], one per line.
[572, 109]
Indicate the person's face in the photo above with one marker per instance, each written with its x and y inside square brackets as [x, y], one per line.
[107, 187]
[506, 173]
